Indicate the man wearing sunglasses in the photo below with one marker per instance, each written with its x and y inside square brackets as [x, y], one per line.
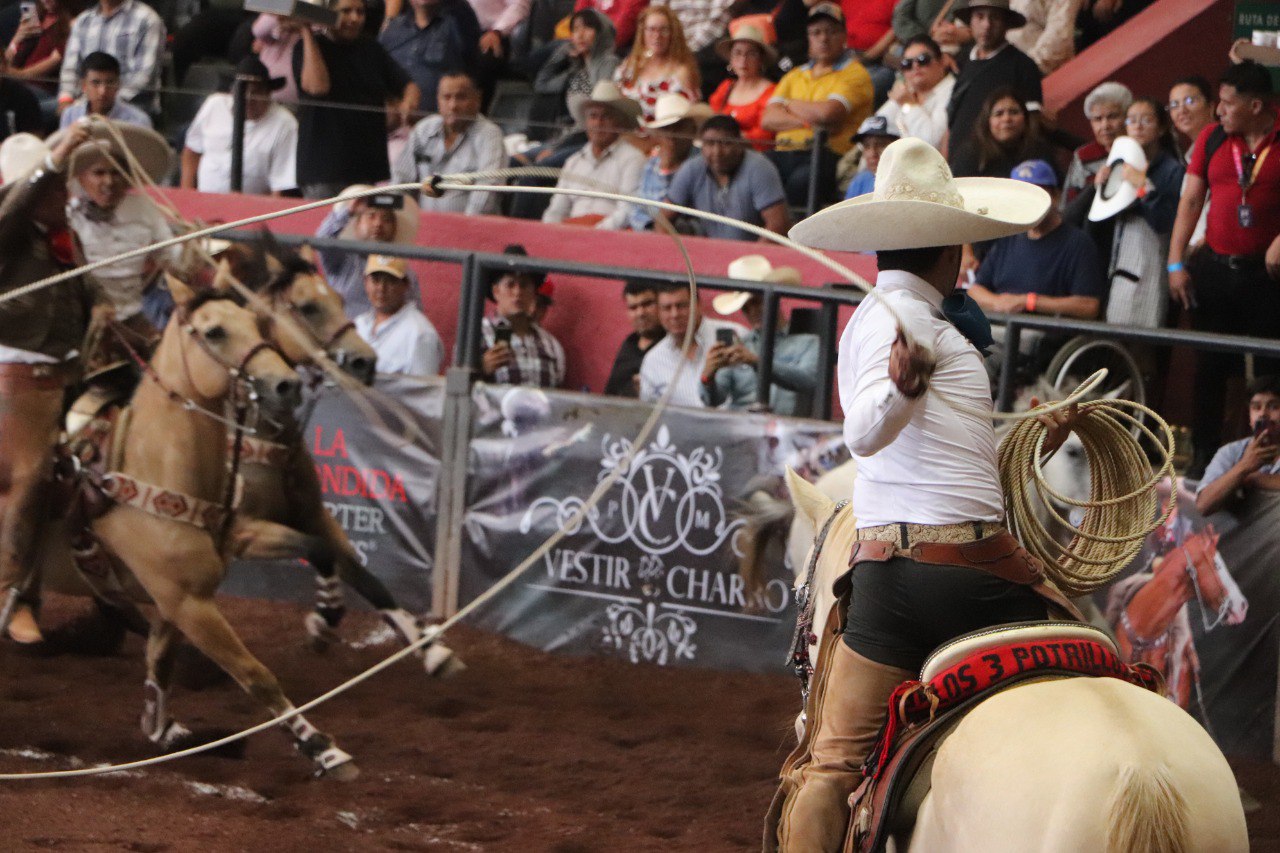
[1231, 285]
[917, 104]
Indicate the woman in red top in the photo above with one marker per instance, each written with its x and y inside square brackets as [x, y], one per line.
[35, 53]
[749, 50]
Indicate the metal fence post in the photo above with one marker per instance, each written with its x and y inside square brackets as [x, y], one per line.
[815, 169]
[768, 335]
[1012, 338]
[451, 491]
[238, 94]
[828, 318]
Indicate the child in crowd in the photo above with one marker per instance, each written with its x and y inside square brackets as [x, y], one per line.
[872, 138]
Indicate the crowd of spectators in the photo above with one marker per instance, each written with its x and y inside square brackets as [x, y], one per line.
[1169, 213]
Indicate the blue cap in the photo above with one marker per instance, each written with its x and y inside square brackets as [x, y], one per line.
[1036, 172]
[876, 126]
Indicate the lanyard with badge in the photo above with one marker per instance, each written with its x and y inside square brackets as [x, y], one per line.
[1247, 175]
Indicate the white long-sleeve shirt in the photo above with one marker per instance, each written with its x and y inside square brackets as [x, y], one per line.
[919, 460]
[928, 120]
[617, 169]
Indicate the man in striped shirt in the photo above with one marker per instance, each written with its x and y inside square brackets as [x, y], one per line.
[130, 31]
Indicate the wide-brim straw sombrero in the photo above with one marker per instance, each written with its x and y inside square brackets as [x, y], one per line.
[606, 93]
[1117, 194]
[751, 268]
[917, 203]
[147, 147]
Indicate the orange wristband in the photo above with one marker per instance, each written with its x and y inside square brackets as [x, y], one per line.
[1031, 302]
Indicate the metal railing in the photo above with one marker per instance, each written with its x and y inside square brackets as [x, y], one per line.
[477, 266]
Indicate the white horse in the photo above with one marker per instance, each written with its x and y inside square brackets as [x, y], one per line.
[1080, 764]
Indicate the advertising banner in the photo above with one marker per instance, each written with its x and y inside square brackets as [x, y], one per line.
[1199, 604]
[650, 574]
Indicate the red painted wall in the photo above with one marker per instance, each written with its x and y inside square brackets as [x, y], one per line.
[588, 316]
[1168, 40]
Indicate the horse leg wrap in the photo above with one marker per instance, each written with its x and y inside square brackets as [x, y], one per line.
[159, 728]
[317, 746]
[438, 660]
[329, 601]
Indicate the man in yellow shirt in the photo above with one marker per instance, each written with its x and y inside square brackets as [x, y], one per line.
[832, 91]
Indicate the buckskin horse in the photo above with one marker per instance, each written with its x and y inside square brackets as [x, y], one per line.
[282, 513]
[160, 508]
[1087, 764]
[1149, 610]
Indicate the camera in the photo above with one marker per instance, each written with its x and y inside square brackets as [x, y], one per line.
[29, 10]
[1268, 429]
[726, 337]
[502, 335]
[301, 10]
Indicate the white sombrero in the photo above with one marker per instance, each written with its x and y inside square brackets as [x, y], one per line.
[1117, 193]
[918, 203]
[606, 93]
[672, 108]
[21, 154]
[751, 268]
[148, 147]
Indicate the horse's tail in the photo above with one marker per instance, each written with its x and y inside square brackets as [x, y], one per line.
[1147, 813]
[768, 522]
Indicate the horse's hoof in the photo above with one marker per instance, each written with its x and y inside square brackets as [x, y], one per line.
[23, 627]
[348, 772]
[319, 635]
[439, 661]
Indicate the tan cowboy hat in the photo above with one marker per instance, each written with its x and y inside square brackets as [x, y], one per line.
[1117, 193]
[20, 155]
[1016, 19]
[392, 266]
[605, 92]
[917, 203]
[751, 268]
[756, 29]
[672, 108]
[406, 213]
[147, 147]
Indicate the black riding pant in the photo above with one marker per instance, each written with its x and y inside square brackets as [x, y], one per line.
[901, 610]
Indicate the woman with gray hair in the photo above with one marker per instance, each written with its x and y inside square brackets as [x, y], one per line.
[1105, 107]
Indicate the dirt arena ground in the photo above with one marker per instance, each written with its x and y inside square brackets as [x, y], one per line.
[523, 752]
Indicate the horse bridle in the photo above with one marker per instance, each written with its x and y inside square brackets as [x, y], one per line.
[804, 637]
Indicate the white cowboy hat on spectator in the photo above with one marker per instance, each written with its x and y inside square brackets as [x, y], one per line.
[147, 147]
[20, 155]
[1117, 193]
[753, 29]
[606, 93]
[917, 203]
[672, 108]
[751, 268]
[406, 212]
[1015, 19]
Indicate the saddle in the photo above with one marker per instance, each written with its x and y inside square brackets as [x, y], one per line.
[954, 679]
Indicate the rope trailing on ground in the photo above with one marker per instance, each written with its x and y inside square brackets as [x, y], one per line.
[1123, 504]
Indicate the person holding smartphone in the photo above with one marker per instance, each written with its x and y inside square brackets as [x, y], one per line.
[35, 52]
[518, 351]
[1253, 463]
[668, 361]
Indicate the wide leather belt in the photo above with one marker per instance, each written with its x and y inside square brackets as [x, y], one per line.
[906, 536]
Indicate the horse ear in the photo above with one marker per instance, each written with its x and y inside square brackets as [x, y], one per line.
[178, 289]
[308, 254]
[809, 500]
[222, 277]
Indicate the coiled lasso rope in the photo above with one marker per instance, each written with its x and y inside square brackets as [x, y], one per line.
[1122, 508]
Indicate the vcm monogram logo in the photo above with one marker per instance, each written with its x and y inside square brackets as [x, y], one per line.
[662, 500]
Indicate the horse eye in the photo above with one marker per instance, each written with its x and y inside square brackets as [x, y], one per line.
[309, 309]
[215, 333]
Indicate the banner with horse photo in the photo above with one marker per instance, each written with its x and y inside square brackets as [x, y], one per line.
[651, 575]
[1200, 603]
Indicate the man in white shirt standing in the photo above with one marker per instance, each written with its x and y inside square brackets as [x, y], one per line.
[917, 420]
[676, 311]
[606, 162]
[398, 331]
[270, 139]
